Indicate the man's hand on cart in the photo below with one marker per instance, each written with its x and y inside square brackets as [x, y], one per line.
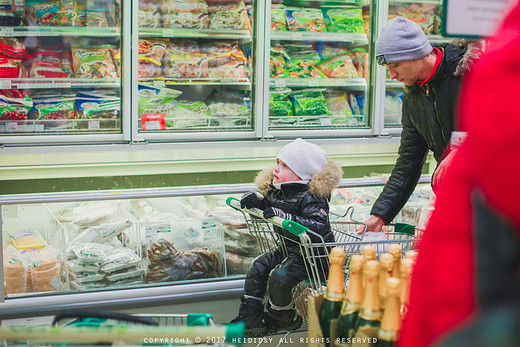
[276, 212]
[374, 223]
[251, 199]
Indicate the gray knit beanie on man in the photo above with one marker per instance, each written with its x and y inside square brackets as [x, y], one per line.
[401, 39]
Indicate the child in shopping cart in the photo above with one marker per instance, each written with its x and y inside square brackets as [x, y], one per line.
[299, 189]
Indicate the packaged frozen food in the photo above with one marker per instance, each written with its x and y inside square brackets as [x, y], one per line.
[187, 5]
[44, 267]
[279, 103]
[50, 64]
[117, 60]
[93, 62]
[118, 259]
[360, 60]
[106, 110]
[278, 62]
[89, 213]
[155, 100]
[87, 277]
[125, 274]
[151, 53]
[89, 252]
[52, 12]
[93, 17]
[150, 14]
[11, 68]
[168, 264]
[101, 233]
[305, 19]
[337, 103]
[15, 270]
[187, 114]
[12, 47]
[340, 66]
[77, 266]
[426, 16]
[54, 108]
[11, 12]
[222, 52]
[309, 102]
[26, 239]
[344, 19]
[183, 64]
[278, 21]
[229, 16]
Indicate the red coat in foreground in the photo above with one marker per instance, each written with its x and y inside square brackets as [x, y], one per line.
[465, 287]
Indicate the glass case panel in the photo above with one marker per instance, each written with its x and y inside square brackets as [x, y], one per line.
[60, 67]
[319, 65]
[195, 66]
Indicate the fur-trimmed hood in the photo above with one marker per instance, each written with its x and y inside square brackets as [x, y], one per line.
[321, 185]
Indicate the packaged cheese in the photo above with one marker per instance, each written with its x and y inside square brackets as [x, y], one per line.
[25, 239]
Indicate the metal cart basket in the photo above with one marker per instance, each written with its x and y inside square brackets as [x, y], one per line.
[316, 253]
[89, 328]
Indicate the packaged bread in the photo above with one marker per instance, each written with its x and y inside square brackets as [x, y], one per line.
[15, 271]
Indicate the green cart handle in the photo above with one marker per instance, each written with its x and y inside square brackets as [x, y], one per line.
[289, 225]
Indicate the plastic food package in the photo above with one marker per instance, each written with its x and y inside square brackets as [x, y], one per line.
[189, 114]
[340, 66]
[11, 12]
[425, 15]
[93, 62]
[151, 53]
[345, 20]
[229, 16]
[87, 277]
[360, 60]
[118, 259]
[50, 64]
[279, 62]
[150, 14]
[89, 253]
[44, 268]
[12, 47]
[101, 233]
[305, 19]
[337, 103]
[279, 103]
[89, 213]
[309, 103]
[52, 12]
[187, 14]
[15, 271]
[11, 68]
[278, 21]
[26, 239]
[93, 17]
[55, 108]
[77, 266]
[107, 111]
[15, 104]
[155, 100]
[126, 274]
[185, 64]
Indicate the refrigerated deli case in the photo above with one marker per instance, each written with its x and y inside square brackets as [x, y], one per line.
[106, 71]
[142, 246]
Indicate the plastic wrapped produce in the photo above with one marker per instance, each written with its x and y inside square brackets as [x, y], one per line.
[60, 13]
[305, 19]
[93, 61]
[168, 264]
[343, 19]
[278, 20]
[340, 66]
[309, 103]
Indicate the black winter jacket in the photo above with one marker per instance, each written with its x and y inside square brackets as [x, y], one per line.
[307, 203]
[427, 120]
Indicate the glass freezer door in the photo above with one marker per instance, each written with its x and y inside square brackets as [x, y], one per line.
[428, 15]
[60, 70]
[319, 67]
[195, 69]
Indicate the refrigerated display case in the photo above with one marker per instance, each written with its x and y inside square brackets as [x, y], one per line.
[60, 65]
[319, 73]
[141, 245]
[196, 69]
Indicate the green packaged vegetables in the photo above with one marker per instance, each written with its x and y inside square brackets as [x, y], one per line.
[344, 20]
[309, 103]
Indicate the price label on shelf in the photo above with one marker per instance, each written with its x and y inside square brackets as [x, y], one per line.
[297, 36]
[167, 32]
[11, 127]
[38, 127]
[325, 121]
[94, 125]
[313, 82]
[279, 83]
[159, 83]
[6, 31]
[5, 84]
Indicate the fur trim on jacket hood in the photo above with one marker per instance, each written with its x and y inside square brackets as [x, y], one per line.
[321, 185]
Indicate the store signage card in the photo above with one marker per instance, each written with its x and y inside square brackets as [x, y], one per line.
[474, 18]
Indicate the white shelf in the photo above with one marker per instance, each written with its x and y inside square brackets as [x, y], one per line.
[54, 83]
[243, 35]
[60, 31]
[393, 84]
[360, 39]
[358, 83]
[161, 82]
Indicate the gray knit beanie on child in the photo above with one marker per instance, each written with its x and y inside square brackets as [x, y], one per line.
[304, 158]
[401, 39]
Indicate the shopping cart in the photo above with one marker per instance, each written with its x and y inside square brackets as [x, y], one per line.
[89, 328]
[316, 254]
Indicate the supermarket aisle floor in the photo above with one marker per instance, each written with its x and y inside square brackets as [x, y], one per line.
[296, 338]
